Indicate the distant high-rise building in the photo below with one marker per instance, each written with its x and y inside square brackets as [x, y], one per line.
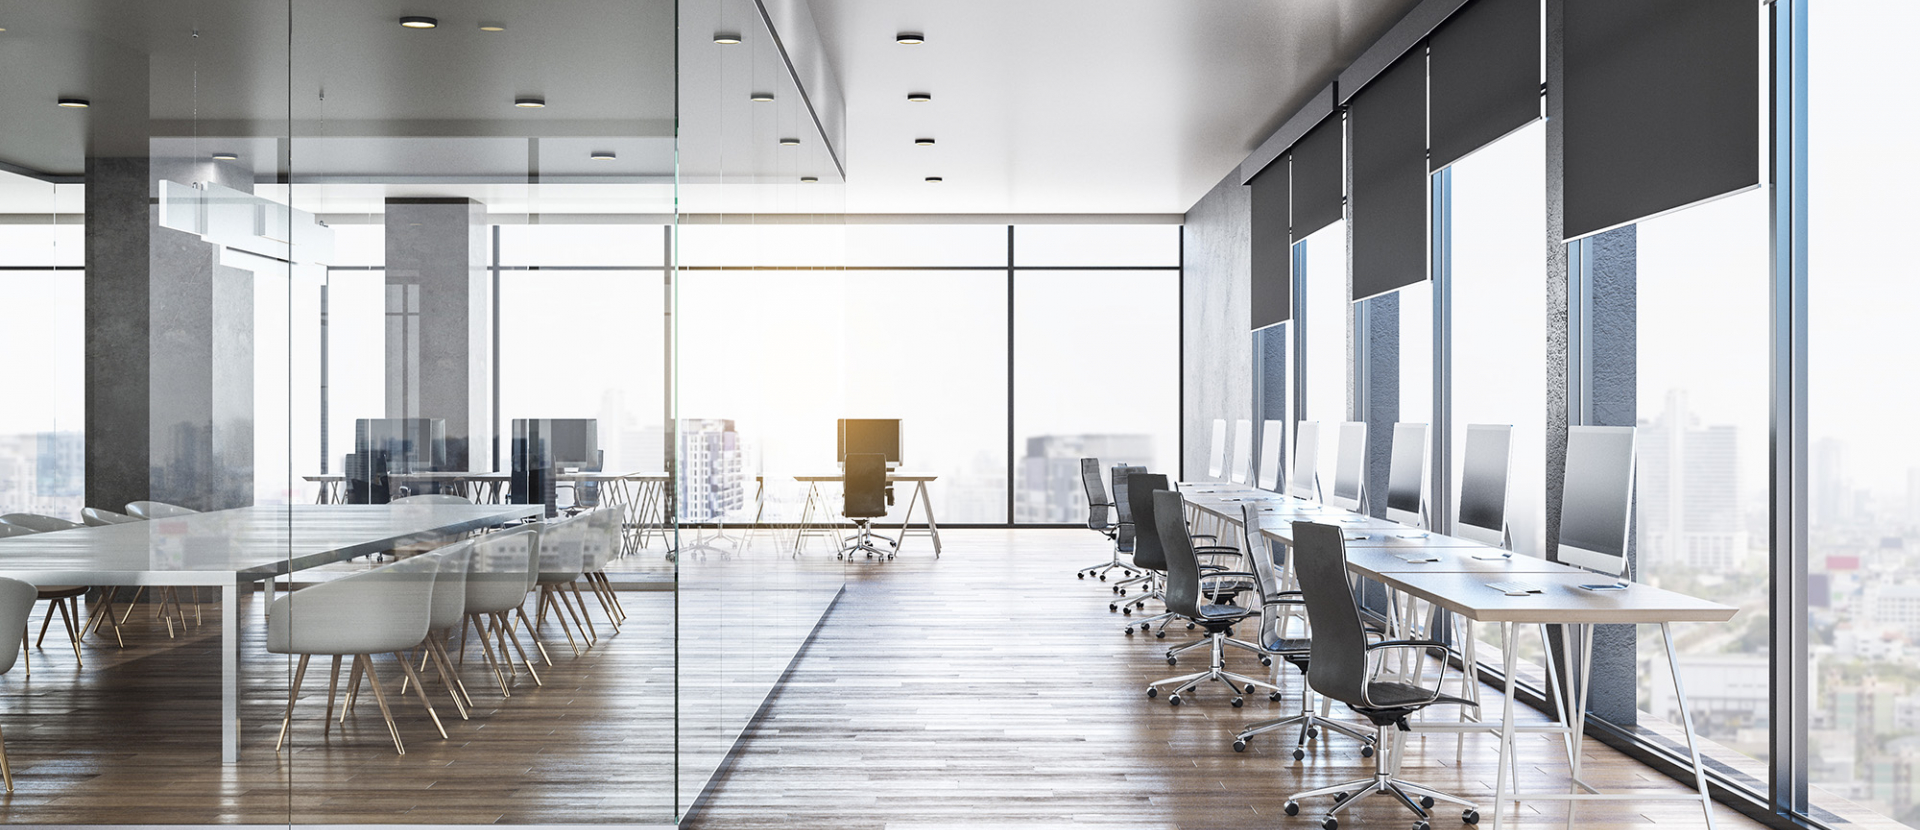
[1050, 488]
[712, 475]
[1689, 491]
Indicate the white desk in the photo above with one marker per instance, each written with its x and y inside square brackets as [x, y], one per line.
[818, 510]
[228, 548]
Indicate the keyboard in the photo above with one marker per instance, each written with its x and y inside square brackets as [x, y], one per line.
[1514, 589]
[1416, 558]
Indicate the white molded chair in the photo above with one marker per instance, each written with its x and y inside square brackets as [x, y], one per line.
[95, 517]
[63, 598]
[503, 569]
[38, 523]
[606, 535]
[560, 549]
[157, 510]
[16, 603]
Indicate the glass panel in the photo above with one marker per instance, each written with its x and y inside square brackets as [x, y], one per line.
[1327, 316]
[1097, 374]
[1083, 246]
[1416, 353]
[42, 442]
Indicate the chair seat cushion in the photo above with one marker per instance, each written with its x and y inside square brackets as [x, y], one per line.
[60, 591]
[1223, 613]
[1288, 644]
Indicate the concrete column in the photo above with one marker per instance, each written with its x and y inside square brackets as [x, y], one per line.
[439, 341]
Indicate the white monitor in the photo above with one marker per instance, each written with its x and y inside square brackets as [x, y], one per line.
[1272, 435]
[1481, 512]
[1350, 467]
[1407, 475]
[1242, 450]
[1217, 451]
[1597, 499]
[1306, 452]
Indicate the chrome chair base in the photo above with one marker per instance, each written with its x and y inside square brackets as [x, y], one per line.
[1216, 670]
[1384, 781]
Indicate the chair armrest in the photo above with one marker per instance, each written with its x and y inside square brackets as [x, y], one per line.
[1407, 644]
[1439, 680]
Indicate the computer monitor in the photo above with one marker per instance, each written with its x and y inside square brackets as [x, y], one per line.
[1350, 466]
[1273, 436]
[869, 435]
[1597, 499]
[575, 442]
[1242, 450]
[1217, 451]
[1306, 453]
[1481, 513]
[1407, 475]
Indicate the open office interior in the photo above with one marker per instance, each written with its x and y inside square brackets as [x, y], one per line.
[748, 414]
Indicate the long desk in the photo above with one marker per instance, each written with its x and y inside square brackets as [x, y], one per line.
[1456, 580]
[817, 511]
[230, 548]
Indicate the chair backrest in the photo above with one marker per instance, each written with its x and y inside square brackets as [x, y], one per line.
[14, 530]
[377, 611]
[560, 547]
[1242, 450]
[1182, 594]
[38, 523]
[603, 538]
[1267, 575]
[1146, 532]
[865, 494]
[1122, 510]
[450, 585]
[95, 517]
[157, 510]
[1337, 663]
[1273, 439]
[1217, 450]
[432, 498]
[16, 603]
[497, 573]
[1097, 502]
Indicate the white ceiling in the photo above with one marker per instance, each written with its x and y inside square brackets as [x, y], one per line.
[1075, 106]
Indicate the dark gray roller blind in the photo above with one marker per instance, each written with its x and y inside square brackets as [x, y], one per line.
[1318, 183]
[1387, 123]
[1662, 106]
[1272, 247]
[1484, 75]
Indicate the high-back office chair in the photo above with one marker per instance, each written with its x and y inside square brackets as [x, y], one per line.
[1341, 665]
[1283, 634]
[16, 604]
[95, 517]
[1124, 537]
[157, 510]
[864, 498]
[38, 523]
[383, 611]
[1149, 555]
[1100, 511]
[1186, 595]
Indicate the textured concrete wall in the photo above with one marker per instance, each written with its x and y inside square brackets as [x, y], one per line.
[1382, 395]
[1613, 398]
[116, 338]
[1217, 376]
[437, 280]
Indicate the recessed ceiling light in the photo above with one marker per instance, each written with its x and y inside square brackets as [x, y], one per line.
[789, 142]
[226, 157]
[3, 28]
[923, 142]
[418, 22]
[809, 179]
[529, 102]
[601, 155]
[74, 103]
[910, 38]
[761, 97]
[726, 38]
[920, 97]
[935, 179]
[493, 27]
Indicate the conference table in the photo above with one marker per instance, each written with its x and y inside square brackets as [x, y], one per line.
[229, 549]
[1453, 575]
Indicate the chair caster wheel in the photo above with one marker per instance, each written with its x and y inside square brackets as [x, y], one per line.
[1367, 752]
[1329, 823]
[1123, 592]
[1273, 696]
[1339, 797]
[1239, 744]
[1081, 575]
[1292, 808]
[1237, 703]
[1173, 700]
[1265, 660]
[1190, 627]
[1161, 634]
[1112, 607]
[1250, 688]
[1299, 755]
[1152, 692]
[1129, 630]
[1313, 732]
[1471, 816]
[1420, 825]
[1173, 661]
[1128, 610]
[1103, 577]
[1426, 801]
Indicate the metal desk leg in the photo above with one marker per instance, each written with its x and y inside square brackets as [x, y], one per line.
[1509, 651]
[933, 527]
[1686, 724]
[230, 673]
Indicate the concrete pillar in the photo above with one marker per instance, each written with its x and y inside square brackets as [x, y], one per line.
[439, 339]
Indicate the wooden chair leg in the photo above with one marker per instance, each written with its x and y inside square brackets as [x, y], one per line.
[380, 697]
[333, 687]
[6, 769]
[535, 637]
[585, 619]
[67, 619]
[293, 694]
[505, 635]
[446, 678]
[548, 600]
[45, 620]
[420, 689]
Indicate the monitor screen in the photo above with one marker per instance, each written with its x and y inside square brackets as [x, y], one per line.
[1350, 465]
[575, 442]
[1242, 450]
[1272, 437]
[870, 435]
[1596, 498]
[1306, 452]
[1483, 477]
[1217, 451]
[1408, 471]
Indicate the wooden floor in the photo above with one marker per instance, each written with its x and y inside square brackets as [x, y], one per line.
[992, 689]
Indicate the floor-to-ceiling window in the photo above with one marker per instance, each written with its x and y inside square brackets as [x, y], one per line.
[42, 436]
[1327, 317]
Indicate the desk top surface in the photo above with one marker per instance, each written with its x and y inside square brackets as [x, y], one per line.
[223, 546]
[1380, 562]
[893, 476]
[1561, 601]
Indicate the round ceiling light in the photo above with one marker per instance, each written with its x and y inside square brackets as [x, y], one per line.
[910, 38]
[74, 103]
[493, 27]
[789, 142]
[418, 22]
[920, 97]
[528, 102]
[226, 156]
[761, 97]
[726, 38]
[923, 142]
[601, 155]
[935, 179]
[809, 179]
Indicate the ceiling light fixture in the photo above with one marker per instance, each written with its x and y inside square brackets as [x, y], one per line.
[909, 38]
[529, 102]
[726, 38]
[74, 103]
[226, 157]
[920, 97]
[789, 142]
[418, 22]
[923, 142]
[761, 97]
[935, 179]
[809, 179]
[493, 27]
[601, 155]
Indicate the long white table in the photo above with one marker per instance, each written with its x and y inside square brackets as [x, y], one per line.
[230, 548]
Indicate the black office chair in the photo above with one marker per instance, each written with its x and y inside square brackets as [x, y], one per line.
[1098, 507]
[863, 499]
[1149, 551]
[1283, 634]
[1123, 536]
[1187, 594]
[1342, 666]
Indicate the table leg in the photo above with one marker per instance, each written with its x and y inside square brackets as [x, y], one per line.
[230, 673]
[1686, 724]
[1509, 651]
[933, 527]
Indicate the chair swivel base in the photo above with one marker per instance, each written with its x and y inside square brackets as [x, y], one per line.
[1310, 726]
[1101, 569]
[1216, 670]
[1345, 795]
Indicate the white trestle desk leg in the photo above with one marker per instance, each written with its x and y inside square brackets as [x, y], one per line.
[1508, 633]
[1586, 684]
[1686, 724]
[933, 527]
[230, 673]
[1561, 691]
